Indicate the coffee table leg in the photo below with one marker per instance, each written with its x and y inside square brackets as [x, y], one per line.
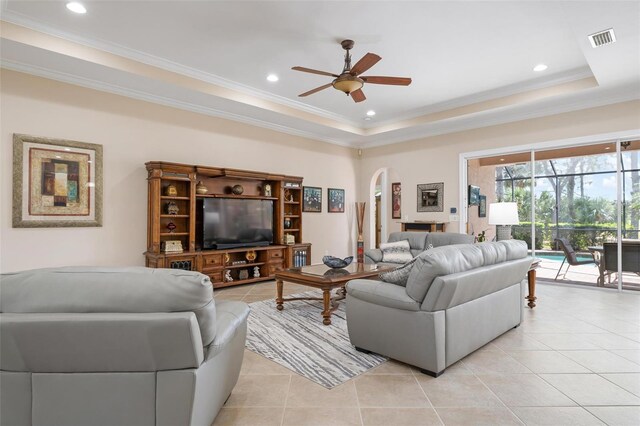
[326, 313]
[532, 289]
[279, 299]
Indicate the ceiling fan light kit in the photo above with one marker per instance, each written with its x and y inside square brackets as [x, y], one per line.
[349, 81]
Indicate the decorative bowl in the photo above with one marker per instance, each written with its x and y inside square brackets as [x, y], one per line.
[337, 263]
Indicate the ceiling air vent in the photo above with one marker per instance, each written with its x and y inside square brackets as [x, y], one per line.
[602, 37]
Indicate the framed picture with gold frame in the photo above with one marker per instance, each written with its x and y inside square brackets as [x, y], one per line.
[56, 183]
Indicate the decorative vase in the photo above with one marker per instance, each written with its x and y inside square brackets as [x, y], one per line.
[360, 217]
[171, 208]
[251, 255]
[171, 191]
[171, 227]
[243, 275]
[287, 223]
[237, 189]
[201, 188]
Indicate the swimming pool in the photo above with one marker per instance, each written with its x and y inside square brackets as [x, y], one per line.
[559, 257]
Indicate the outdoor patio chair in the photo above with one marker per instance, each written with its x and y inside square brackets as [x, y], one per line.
[630, 257]
[570, 257]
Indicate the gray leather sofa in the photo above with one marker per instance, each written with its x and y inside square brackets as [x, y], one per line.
[419, 242]
[457, 298]
[107, 346]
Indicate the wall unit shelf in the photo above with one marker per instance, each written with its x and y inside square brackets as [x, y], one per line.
[286, 194]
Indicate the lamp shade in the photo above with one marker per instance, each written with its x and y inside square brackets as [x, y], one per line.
[503, 214]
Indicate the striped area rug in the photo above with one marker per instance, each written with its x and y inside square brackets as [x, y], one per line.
[296, 339]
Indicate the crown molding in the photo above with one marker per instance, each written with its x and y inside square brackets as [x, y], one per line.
[489, 95]
[148, 59]
[161, 100]
[502, 116]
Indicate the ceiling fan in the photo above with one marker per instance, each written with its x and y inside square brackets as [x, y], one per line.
[350, 81]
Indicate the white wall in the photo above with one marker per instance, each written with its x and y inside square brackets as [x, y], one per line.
[132, 133]
[435, 159]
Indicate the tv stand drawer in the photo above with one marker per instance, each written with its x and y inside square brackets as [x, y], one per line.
[210, 261]
[276, 254]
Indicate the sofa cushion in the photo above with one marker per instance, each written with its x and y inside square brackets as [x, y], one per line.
[437, 239]
[446, 260]
[381, 293]
[373, 255]
[396, 252]
[439, 261]
[400, 275]
[108, 290]
[417, 240]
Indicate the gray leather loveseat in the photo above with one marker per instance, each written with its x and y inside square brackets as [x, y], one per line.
[107, 346]
[457, 298]
[419, 242]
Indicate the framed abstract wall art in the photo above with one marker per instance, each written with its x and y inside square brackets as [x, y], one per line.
[336, 200]
[430, 196]
[482, 206]
[396, 200]
[474, 195]
[56, 183]
[311, 199]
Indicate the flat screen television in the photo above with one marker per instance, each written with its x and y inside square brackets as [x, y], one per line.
[224, 223]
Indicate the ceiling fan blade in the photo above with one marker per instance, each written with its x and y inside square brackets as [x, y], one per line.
[309, 70]
[358, 95]
[396, 81]
[317, 89]
[367, 61]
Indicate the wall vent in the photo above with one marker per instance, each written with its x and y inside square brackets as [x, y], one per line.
[602, 37]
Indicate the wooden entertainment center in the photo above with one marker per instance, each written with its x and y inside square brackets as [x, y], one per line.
[171, 216]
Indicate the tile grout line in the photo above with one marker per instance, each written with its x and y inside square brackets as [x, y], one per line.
[413, 373]
[286, 400]
[355, 389]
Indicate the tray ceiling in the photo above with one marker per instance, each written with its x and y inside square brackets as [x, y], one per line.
[471, 62]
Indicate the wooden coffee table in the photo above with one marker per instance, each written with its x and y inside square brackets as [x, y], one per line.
[326, 279]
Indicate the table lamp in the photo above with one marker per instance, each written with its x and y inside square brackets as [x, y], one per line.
[503, 215]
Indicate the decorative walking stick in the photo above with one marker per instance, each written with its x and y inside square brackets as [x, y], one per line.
[360, 217]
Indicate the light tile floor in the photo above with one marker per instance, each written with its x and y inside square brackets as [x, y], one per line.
[575, 360]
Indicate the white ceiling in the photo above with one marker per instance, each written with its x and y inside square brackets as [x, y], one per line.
[457, 53]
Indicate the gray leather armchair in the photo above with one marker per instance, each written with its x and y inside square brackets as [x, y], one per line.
[107, 346]
[419, 242]
[457, 298]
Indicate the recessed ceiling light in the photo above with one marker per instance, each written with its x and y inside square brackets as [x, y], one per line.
[540, 67]
[502, 159]
[76, 7]
[608, 147]
[272, 78]
[367, 119]
[371, 113]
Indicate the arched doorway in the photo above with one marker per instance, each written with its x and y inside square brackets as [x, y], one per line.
[378, 200]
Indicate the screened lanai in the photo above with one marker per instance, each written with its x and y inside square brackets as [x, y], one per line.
[575, 198]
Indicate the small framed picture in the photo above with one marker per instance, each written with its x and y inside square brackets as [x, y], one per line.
[430, 196]
[482, 206]
[335, 198]
[474, 195]
[396, 200]
[56, 183]
[311, 199]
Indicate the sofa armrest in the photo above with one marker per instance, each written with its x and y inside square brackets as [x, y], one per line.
[381, 293]
[230, 316]
[372, 256]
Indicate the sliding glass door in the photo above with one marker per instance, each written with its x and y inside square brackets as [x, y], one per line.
[575, 204]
